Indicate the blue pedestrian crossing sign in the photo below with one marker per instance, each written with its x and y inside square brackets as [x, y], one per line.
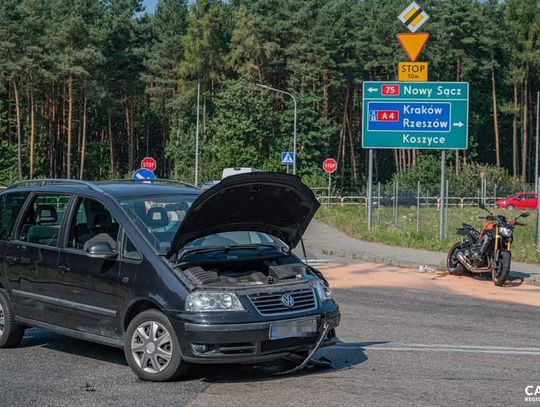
[143, 174]
[287, 158]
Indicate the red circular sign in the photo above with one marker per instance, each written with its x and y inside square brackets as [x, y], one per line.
[148, 163]
[330, 165]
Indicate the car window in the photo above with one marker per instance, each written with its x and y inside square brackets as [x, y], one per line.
[92, 223]
[10, 206]
[129, 251]
[43, 218]
[158, 217]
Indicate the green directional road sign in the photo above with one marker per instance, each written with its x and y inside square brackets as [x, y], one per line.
[428, 115]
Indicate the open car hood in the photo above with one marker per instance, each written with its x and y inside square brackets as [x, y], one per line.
[273, 203]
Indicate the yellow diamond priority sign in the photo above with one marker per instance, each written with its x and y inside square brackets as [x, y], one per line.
[413, 17]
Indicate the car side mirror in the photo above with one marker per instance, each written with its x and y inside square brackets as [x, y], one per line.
[101, 250]
[524, 215]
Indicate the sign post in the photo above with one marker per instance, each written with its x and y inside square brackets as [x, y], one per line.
[330, 166]
[369, 187]
[420, 115]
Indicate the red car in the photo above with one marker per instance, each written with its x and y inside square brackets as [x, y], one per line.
[520, 200]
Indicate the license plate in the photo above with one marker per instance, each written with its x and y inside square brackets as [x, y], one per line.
[294, 329]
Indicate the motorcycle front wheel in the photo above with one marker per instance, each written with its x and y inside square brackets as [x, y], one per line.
[453, 265]
[501, 269]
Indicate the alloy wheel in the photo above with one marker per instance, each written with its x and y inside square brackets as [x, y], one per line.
[151, 347]
[2, 319]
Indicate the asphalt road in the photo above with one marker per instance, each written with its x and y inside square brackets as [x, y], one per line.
[399, 347]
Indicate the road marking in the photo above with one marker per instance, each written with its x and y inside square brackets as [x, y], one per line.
[419, 347]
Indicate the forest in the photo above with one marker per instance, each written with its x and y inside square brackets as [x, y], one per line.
[90, 87]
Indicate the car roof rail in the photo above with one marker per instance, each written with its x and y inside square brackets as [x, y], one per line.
[153, 181]
[51, 181]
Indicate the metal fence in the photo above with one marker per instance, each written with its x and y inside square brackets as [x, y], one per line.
[418, 210]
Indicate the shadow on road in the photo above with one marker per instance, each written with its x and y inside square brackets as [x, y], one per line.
[516, 279]
[342, 356]
[39, 337]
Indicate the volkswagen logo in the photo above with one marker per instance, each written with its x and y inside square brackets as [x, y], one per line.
[287, 300]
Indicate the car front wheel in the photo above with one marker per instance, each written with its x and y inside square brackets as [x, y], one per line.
[152, 348]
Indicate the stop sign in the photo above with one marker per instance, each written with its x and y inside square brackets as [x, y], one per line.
[148, 163]
[330, 165]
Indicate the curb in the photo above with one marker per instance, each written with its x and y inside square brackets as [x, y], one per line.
[392, 261]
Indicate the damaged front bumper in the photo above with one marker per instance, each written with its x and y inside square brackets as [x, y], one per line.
[251, 342]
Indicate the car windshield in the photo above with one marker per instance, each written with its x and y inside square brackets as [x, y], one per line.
[159, 217]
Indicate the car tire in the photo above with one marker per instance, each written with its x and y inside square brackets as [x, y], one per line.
[149, 352]
[510, 207]
[11, 333]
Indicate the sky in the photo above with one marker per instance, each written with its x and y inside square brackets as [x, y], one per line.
[150, 5]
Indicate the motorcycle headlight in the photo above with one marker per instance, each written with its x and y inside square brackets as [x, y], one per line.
[506, 232]
[213, 301]
[323, 292]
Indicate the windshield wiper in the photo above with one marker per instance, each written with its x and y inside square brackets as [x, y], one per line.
[228, 248]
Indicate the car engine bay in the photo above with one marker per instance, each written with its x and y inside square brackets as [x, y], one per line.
[246, 273]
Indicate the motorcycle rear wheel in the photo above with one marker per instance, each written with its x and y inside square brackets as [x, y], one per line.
[501, 270]
[453, 265]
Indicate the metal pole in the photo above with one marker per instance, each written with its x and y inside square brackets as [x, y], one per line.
[197, 135]
[329, 186]
[396, 202]
[294, 136]
[441, 204]
[446, 212]
[379, 203]
[537, 132]
[295, 117]
[537, 221]
[370, 182]
[418, 208]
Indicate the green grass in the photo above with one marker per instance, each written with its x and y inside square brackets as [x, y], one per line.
[352, 220]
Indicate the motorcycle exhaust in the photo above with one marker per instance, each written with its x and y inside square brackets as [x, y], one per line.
[461, 258]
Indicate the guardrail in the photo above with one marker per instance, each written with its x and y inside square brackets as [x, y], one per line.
[425, 201]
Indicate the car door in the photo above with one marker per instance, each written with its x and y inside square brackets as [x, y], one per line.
[88, 286]
[528, 201]
[32, 257]
[10, 208]
[532, 201]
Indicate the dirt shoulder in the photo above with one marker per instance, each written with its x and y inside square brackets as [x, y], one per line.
[381, 275]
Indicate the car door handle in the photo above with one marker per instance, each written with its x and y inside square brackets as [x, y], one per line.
[11, 259]
[63, 268]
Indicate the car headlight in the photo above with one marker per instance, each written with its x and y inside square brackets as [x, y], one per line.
[203, 301]
[323, 292]
[506, 232]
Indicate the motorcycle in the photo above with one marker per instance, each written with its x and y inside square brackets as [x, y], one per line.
[487, 251]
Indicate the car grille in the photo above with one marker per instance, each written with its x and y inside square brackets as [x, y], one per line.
[270, 303]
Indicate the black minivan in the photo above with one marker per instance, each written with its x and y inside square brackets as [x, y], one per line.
[169, 273]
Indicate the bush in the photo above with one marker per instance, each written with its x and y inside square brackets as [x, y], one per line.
[467, 183]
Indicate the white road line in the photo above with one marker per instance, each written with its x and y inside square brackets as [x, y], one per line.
[419, 347]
